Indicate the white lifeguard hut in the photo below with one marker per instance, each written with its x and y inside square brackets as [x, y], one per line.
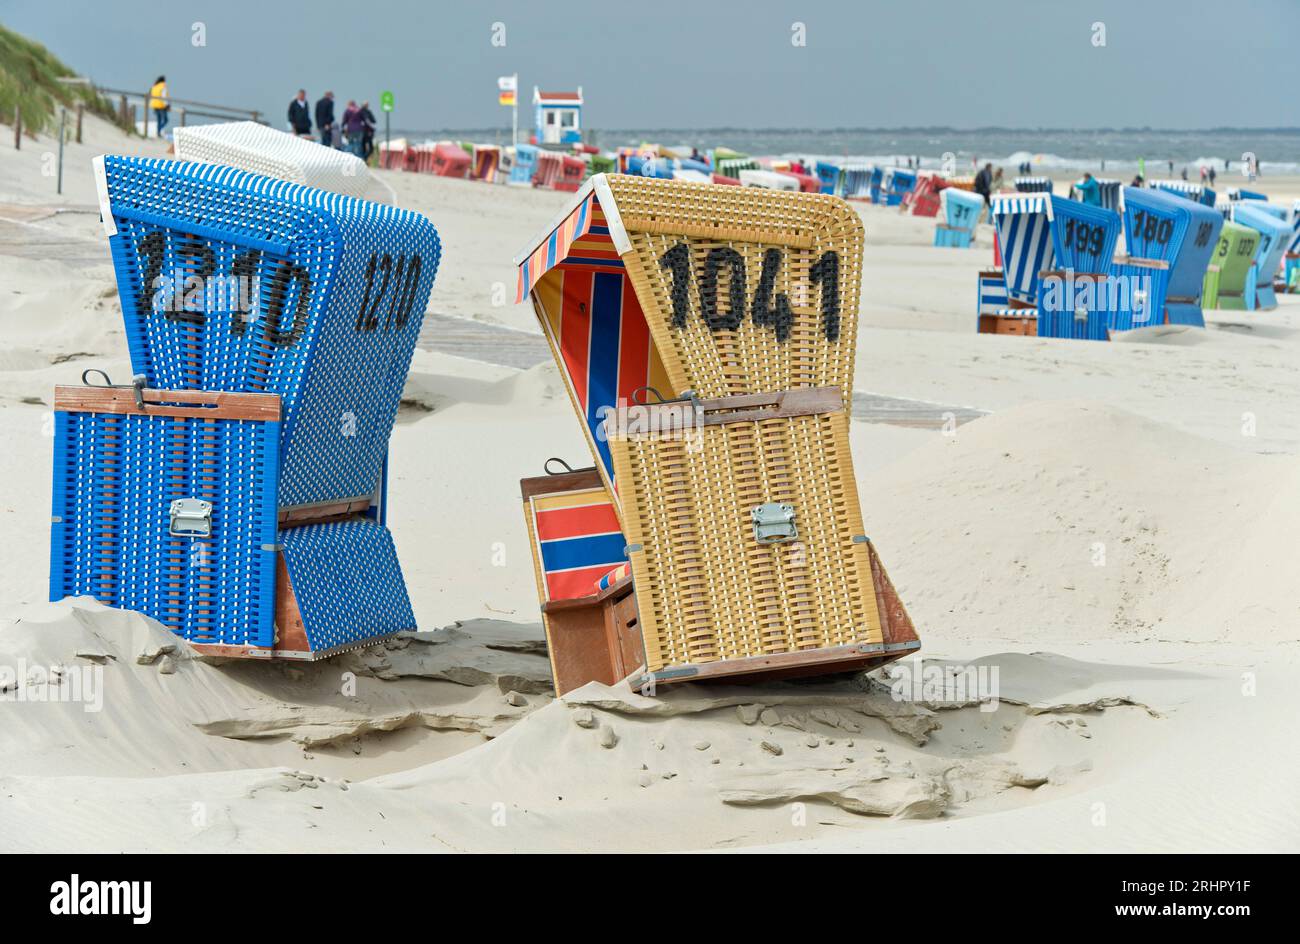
[558, 116]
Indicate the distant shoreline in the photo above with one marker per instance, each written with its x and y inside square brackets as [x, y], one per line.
[1046, 150]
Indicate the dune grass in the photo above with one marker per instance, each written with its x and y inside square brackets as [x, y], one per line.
[29, 75]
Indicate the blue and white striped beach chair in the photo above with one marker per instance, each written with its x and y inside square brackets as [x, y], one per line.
[1107, 191]
[1033, 184]
[1197, 192]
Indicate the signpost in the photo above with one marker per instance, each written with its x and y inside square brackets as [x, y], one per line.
[386, 106]
[508, 94]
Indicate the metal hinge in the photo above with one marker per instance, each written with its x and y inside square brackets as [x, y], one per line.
[774, 523]
[191, 518]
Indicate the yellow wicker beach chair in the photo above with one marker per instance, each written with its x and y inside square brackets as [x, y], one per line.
[706, 335]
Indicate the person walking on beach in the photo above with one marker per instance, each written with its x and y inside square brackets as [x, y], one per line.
[158, 103]
[353, 127]
[325, 119]
[1089, 190]
[1212, 176]
[299, 116]
[984, 182]
[368, 131]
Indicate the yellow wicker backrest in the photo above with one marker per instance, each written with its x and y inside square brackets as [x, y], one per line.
[744, 289]
[707, 590]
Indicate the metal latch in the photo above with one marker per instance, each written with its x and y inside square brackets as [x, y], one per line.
[191, 518]
[774, 523]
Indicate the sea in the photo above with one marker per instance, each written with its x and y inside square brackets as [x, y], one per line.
[1277, 150]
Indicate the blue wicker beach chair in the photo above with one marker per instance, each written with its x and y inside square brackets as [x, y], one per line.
[307, 294]
[164, 501]
[896, 183]
[142, 515]
[874, 185]
[1275, 236]
[960, 213]
[235, 489]
[652, 166]
[831, 176]
[1162, 226]
[524, 166]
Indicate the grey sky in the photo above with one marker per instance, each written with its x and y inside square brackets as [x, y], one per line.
[710, 63]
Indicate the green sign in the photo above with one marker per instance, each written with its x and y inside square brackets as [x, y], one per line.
[386, 101]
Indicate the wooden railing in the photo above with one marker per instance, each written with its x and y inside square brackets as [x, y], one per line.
[184, 108]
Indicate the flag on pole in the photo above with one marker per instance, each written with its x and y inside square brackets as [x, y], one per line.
[507, 88]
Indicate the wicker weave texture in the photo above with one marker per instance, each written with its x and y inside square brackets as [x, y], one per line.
[768, 299]
[707, 590]
[340, 300]
[347, 581]
[247, 145]
[115, 478]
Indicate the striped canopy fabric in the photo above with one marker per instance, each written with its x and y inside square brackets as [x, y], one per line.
[613, 577]
[576, 542]
[1107, 190]
[592, 319]
[1294, 245]
[579, 223]
[857, 181]
[1033, 184]
[992, 293]
[487, 163]
[1024, 226]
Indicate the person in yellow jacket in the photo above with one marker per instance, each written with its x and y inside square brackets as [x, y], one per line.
[158, 102]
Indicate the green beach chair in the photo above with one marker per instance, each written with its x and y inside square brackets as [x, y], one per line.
[1233, 257]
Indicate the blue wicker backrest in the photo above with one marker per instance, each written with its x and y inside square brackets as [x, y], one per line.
[312, 295]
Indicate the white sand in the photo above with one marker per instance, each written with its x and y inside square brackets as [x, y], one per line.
[1147, 702]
